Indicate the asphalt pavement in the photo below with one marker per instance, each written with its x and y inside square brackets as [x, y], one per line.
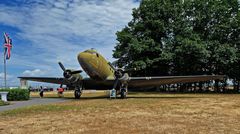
[31, 102]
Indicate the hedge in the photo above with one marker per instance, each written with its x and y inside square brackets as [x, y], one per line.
[17, 94]
[2, 103]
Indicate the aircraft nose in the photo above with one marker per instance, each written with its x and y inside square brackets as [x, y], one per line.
[83, 57]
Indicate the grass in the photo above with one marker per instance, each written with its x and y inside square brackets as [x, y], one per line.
[140, 113]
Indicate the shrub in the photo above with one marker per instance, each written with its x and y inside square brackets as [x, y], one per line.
[2, 103]
[17, 94]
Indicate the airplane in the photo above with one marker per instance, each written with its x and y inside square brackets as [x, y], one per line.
[103, 75]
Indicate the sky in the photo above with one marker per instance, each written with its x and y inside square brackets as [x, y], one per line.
[44, 32]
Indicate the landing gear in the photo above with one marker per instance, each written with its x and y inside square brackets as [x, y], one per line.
[78, 93]
[123, 93]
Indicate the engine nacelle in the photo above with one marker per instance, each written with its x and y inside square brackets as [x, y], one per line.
[72, 78]
[75, 78]
[122, 75]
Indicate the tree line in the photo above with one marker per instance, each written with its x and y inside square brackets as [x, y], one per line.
[182, 37]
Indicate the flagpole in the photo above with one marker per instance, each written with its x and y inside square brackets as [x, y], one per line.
[5, 71]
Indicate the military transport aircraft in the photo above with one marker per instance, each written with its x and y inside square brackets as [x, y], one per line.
[103, 75]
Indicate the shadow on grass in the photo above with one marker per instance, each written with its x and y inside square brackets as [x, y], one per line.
[130, 97]
[88, 98]
[72, 98]
[138, 95]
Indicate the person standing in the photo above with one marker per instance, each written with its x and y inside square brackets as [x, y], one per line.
[41, 92]
[60, 92]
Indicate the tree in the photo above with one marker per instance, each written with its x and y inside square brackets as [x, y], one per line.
[176, 37]
[143, 43]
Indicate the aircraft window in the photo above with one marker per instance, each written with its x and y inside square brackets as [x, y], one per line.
[92, 51]
[111, 69]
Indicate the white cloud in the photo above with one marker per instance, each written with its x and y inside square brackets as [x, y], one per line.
[51, 28]
[58, 31]
[35, 72]
[8, 76]
[11, 80]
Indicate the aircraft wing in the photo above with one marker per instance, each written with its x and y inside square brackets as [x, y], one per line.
[141, 82]
[53, 80]
[156, 81]
[87, 82]
[134, 82]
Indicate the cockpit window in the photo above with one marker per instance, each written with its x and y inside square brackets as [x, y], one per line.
[91, 51]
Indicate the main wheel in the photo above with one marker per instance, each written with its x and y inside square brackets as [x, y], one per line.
[77, 94]
[123, 93]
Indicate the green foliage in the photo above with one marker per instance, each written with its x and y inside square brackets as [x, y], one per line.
[17, 94]
[2, 103]
[176, 37]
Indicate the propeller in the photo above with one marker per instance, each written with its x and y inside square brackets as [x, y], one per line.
[118, 75]
[68, 73]
[121, 75]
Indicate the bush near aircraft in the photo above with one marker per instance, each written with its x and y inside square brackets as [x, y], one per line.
[2, 103]
[17, 94]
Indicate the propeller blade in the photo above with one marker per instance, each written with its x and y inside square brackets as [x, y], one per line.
[114, 63]
[114, 68]
[115, 83]
[61, 65]
[129, 70]
[76, 72]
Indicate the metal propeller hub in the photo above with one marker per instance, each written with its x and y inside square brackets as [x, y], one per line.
[118, 73]
[67, 74]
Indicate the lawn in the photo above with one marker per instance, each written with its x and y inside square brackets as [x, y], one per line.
[140, 113]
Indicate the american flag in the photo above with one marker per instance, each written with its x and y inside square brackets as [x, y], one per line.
[7, 46]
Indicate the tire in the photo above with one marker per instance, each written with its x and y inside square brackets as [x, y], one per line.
[123, 94]
[77, 94]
